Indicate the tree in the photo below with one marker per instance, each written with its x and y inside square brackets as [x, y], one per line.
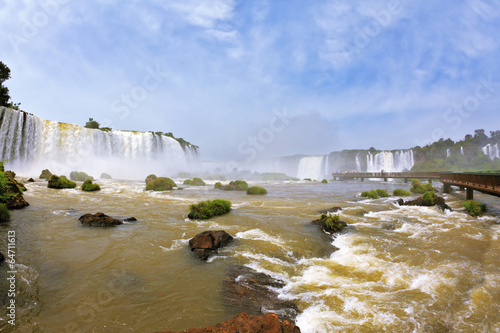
[92, 124]
[4, 91]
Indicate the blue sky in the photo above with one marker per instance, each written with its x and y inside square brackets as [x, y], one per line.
[340, 74]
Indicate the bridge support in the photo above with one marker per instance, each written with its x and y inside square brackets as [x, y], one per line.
[362, 179]
[469, 194]
[385, 180]
[429, 181]
[446, 188]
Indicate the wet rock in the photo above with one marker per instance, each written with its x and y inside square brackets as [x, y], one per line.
[330, 210]
[31, 180]
[328, 224]
[2, 258]
[130, 219]
[16, 201]
[99, 220]
[247, 290]
[440, 203]
[244, 322]
[206, 243]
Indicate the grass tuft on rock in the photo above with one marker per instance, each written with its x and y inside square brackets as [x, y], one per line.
[89, 186]
[370, 194]
[210, 208]
[194, 182]
[399, 192]
[60, 182]
[237, 185]
[161, 184]
[256, 190]
[475, 208]
[429, 198]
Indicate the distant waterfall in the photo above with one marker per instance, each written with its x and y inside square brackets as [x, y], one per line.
[448, 152]
[462, 151]
[390, 162]
[358, 163]
[311, 167]
[32, 144]
[491, 151]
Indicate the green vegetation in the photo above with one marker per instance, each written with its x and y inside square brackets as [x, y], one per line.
[4, 91]
[475, 208]
[429, 198]
[181, 141]
[105, 176]
[324, 181]
[89, 186]
[417, 187]
[79, 176]
[160, 184]
[370, 194]
[331, 222]
[399, 192]
[5, 184]
[150, 178]
[218, 186]
[60, 182]
[4, 213]
[45, 174]
[237, 185]
[308, 179]
[382, 193]
[270, 176]
[92, 124]
[256, 190]
[207, 209]
[194, 182]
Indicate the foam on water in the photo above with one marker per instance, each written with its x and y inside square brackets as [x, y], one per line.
[258, 234]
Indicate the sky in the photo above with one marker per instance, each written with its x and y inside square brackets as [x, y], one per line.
[256, 79]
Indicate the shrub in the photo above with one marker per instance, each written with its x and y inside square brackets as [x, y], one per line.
[4, 213]
[105, 176]
[7, 192]
[218, 186]
[331, 222]
[417, 187]
[79, 176]
[160, 184]
[60, 182]
[324, 181]
[429, 198]
[45, 174]
[474, 207]
[207, 209]
[382, 193]
[308, 179]
[194, 182]
[399, 192]
[89, 186]
[150, 178]
[429, 187]
[370, 194]
[237, 185]
[256, 190]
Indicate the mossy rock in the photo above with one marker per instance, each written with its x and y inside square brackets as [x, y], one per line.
[399, 192]
[370, 194]
[382, 193]
[237, 185]
[105, 176]
[45, 174]
[308, 179]
[256, 190]
[150, 178]
[11, 191]
[429, 198]
[475, 208]
[60, 182]
[330, 223]
[324, 181]
[89, 186]
[160, 184]
[194, 182]
[218, 186]
[207, 209]
[4, 213]
[80, 176]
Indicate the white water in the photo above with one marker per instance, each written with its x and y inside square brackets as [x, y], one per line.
[358, 164]
[32, 144]
[390, 162]
[462, 150]
[311, 167]
[448, 152]
[491, 151]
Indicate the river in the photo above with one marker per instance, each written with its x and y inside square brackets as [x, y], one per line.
[394, 269]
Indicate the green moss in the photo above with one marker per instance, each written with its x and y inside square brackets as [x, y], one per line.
[160, 184]
[7, 191]
[370, 194]
[45, 174]
[218, 186]
[475, 208]
[256, 190]
[4, 213]
[194, 182]
[105, 176]
[331, 222]
[207, 209]
[79, 176]
[324, 181]
[60, 182]
[308, 179]
[237, 185]
[399, 192]
[429, 198]
[382, 193]
[150, 178]
[89, 186]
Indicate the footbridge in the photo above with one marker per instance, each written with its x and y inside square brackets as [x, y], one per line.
[487, 182]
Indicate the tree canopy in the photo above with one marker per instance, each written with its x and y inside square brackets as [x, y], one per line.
[4, 91]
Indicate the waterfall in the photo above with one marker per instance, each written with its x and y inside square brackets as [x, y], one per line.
[390, 162]
[448, 152]
[32, 144]
[311, 167]
[358, 164]
[462, 151]
[491, 150]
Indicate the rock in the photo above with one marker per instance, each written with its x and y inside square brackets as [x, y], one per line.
[206, 243]
[2, 258]
[330, 210]
[440, 203]
[31, 180]
[45, 174]
[245, 323]
[328, 224]
[98, 220]
[12, 188]
[130, 219]
[247, 290]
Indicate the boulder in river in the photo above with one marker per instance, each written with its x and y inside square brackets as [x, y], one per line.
[206, 243]
[247, 290]
[330, 223]
[99, 220]
[268, 323]
[439, 202]
[13, 192]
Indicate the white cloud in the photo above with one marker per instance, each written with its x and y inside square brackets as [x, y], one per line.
[203, 13]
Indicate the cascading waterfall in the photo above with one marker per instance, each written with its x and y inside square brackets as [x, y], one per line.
[32, 144]
[358, 163]
[448, 152]
[491, 150]
[462, 151]
[390, 162]
[311, 167]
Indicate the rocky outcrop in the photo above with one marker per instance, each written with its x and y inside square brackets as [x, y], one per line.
[247, 290]
[440, 203]
[98, 220]
[330, 223]
[206, 243]
[31, 180]
[14, 192]
[245, 323]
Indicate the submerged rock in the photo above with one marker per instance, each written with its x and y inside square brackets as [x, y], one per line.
[99, 220]
[247, 290]
[268, 323]
[206, 243]
[31, 180]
